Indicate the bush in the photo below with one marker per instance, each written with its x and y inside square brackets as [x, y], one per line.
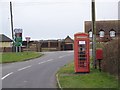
[110, 61]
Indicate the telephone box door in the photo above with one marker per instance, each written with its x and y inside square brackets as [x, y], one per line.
[83, 56]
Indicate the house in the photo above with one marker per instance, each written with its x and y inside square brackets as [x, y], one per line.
[68, 43]
[5, 43]
[105, 30]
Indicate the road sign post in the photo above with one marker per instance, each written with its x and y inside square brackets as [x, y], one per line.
[27, 39]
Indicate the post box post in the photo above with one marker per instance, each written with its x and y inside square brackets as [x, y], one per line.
[99, 56]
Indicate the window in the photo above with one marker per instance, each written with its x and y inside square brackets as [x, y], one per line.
[112, 33]
[102, 33]
[90, 34]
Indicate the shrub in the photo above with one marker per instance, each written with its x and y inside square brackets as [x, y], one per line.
[111, 61]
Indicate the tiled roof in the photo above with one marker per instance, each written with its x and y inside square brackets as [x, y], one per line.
[68, 40]
[105, 25]
[4, 38]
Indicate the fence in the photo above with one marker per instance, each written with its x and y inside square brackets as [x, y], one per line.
[8, 49]
[5, 49]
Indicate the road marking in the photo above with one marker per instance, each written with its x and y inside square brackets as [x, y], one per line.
[69, 54]
[6, 75]
[26, 61]
[70, 51]
[46, 61]
[64, 55]
[50, 60]
[61, 56]
[41, 62]
[24, 68]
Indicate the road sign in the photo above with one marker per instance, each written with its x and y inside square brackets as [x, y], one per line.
[18, 44]
[27, 39]
[18, 39]
[18, 30]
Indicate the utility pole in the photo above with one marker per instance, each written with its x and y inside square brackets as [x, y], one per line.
[13, 48]
[94, 34]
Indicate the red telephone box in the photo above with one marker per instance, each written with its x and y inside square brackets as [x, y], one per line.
[81, 52]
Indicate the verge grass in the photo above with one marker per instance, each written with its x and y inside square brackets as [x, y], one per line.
[17, 57]
[94, 79]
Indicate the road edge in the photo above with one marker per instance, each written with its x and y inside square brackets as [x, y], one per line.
[23, 59]
[58, 83]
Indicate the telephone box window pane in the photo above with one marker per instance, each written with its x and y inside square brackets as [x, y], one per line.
[82, 48]
[112, 33]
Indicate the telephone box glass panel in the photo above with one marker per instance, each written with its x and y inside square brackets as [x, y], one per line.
[82, 54]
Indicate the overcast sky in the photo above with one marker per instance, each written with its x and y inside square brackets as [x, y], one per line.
[53, 19]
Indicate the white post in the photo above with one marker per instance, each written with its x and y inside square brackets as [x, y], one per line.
[16, 49]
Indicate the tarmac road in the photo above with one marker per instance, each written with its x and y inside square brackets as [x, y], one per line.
[37, 73]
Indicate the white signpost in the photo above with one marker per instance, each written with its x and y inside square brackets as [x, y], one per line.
[27, 39]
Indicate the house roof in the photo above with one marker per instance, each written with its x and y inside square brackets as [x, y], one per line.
[4, 38]
[106, 25]
[68, 40]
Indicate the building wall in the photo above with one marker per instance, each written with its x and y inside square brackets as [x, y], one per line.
[50, 45]
[5, 44]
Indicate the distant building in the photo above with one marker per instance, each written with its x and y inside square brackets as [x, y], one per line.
[5, 41]
[68, 43]
[105, 30]
[51, 45]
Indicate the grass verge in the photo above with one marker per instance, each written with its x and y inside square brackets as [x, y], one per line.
[17, 57]
[94, 79]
